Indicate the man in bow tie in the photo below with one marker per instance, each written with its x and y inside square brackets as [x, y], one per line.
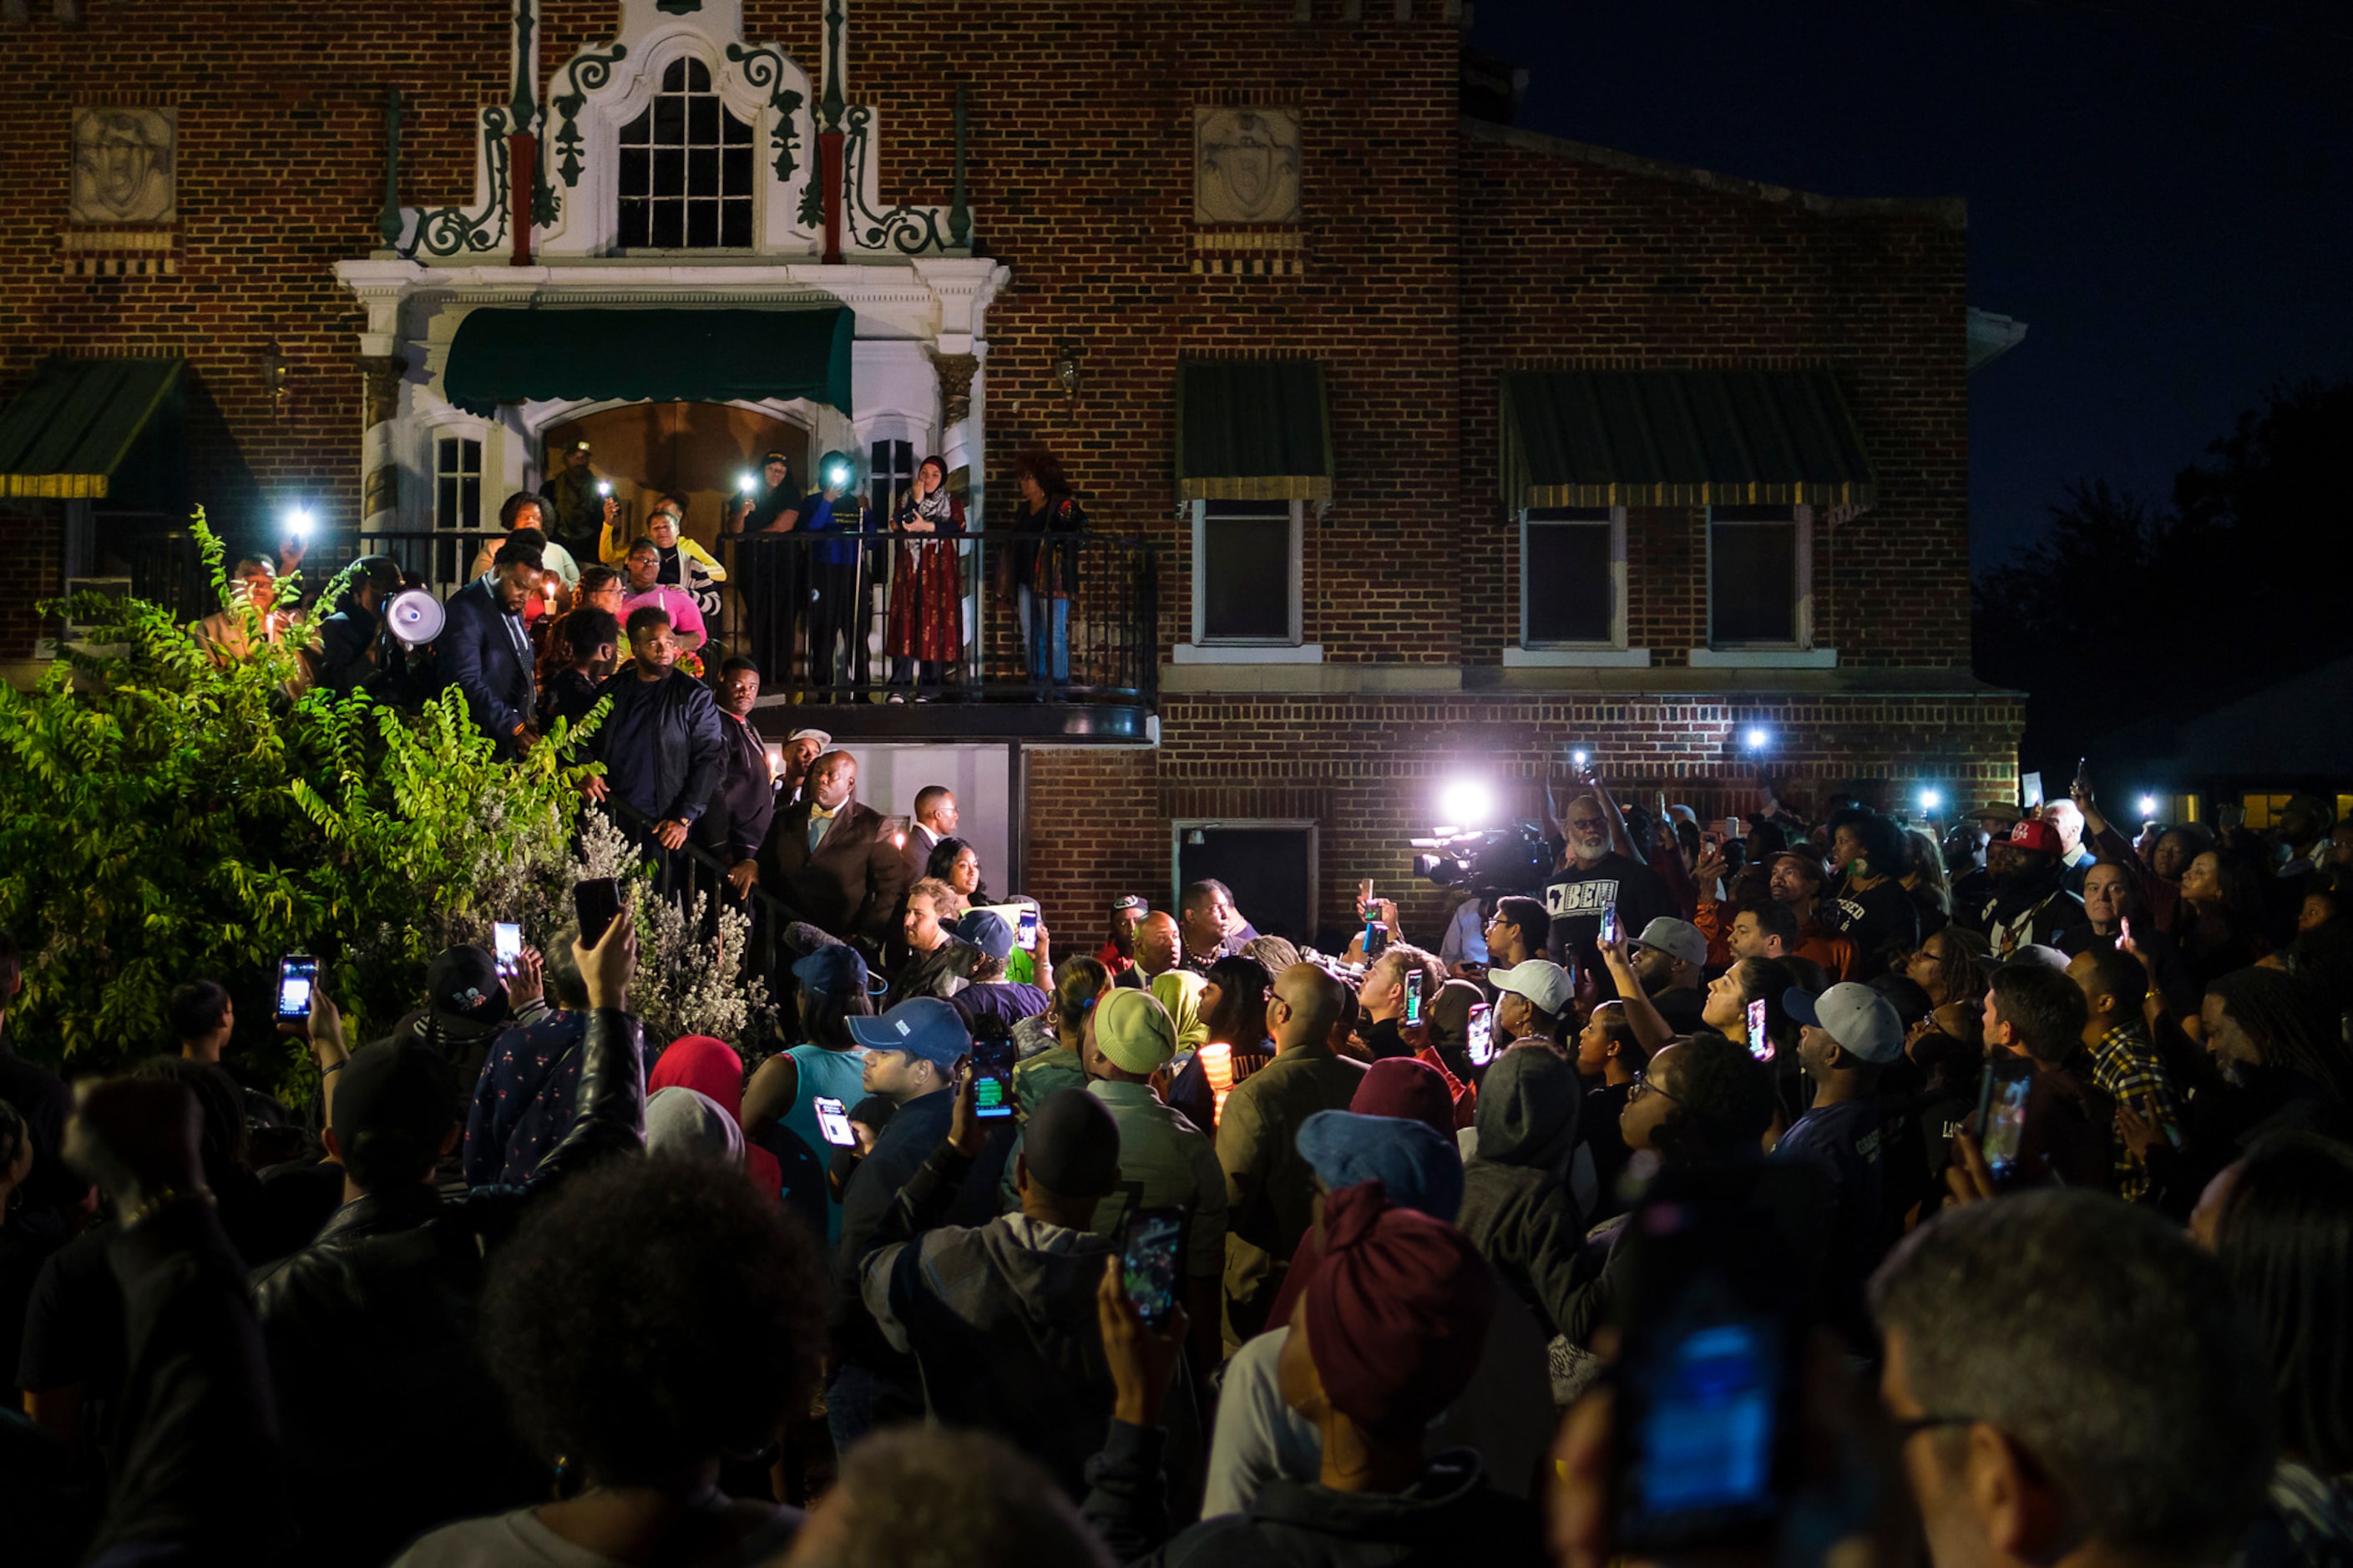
[830, 862]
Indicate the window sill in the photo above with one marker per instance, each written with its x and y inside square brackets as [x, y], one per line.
[1763, 658]
[1246, 653]
[1576, 658]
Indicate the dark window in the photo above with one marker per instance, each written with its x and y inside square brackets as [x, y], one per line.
[456, 482]
[1569, 586]
[1752, 575]
[686, 169]
[1248, 591]
[891, 474]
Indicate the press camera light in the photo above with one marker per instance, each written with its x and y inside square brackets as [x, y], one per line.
[1467, 803]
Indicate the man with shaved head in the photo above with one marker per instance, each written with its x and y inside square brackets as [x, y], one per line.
[829, 860]
[1270, 1188]
[1158, 946]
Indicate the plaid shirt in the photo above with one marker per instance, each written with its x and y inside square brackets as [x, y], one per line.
[2125, 1064]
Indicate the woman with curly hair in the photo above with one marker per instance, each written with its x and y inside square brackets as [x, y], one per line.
[647, 1321]
[956, 862]
[1041, 570]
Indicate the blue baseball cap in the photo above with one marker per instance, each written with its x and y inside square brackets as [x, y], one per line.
[922, 1026]
[987, 929]
[834, 970]
[1421, 1170]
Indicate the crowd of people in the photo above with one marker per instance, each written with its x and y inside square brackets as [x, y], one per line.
[1770, 1187]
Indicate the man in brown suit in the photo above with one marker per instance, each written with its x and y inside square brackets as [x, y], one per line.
[830, 862]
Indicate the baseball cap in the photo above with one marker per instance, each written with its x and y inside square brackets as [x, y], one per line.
[464, 991]
[1127, 901]
[821, 736]
[987, 929]
[922, 1026]
[1993, 811]
[1072, 1144]
[1676, 939]
[774, 457]
[1134, 1030]
[2033, 833]
[1856, 1016]
[395, 1086]
[835, 969]
[1421, 1170]
[1540, 980]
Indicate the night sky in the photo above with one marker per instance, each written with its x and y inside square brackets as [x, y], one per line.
[2163, 191]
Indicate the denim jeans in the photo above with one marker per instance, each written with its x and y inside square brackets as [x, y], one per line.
[1048, 626]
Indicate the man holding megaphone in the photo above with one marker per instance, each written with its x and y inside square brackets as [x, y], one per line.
[351, 651]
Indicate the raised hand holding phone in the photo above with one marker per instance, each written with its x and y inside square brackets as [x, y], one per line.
[966, 1131]
[1140, 1357]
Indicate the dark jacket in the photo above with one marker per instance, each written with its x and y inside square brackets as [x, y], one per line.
[370, 1337]
[999, 1317]
[568, 694]
[914, 1129]
[1450, 1516]
[661, 744]
[849, 886]
[346, 640]
[747, 793]
[1516, 1207]
[482, 652]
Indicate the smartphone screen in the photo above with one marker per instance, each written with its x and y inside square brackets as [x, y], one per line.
[297, 973]
[506, 945]
[1480, 1045]
[1025, 934]
[1706, 1439]
[1609, 926]
[833, 1120]
[1707, 843]
[1377, 940]
[2001, 1117]
[597, 903]
[1413, 984]
[992, 1066]
[1149, 1263]
[1760, 1045]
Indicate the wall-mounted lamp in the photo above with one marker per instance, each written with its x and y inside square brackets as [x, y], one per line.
[273, 374]
[1065, 368]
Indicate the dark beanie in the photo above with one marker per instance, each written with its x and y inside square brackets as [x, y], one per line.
[1397, 1315]
[395, 1086]
[1072, 1144]
[1408, 1087]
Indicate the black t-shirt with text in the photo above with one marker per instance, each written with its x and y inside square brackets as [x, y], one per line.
[1883, 922]
[1575, 898]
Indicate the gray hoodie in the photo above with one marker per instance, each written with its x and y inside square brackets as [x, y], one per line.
[1516, 1206]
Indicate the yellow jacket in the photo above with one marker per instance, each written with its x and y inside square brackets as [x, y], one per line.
[613, 547]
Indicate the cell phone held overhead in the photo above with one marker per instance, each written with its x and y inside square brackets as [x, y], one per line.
[298, 976]
[1149, 1263]
[596, 904]
[992, 1072]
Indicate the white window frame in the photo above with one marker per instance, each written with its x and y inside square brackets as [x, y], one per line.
[488, 496]
[729, 88]
[1297, 637]
[1611, 652]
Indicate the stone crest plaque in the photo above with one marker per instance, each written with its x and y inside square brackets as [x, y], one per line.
[123, 165]
[1246, 165]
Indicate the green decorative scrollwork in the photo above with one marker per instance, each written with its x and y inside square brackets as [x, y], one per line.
[525, 24]
[764, 67]
[449, 231]
[909, 230]
[586, 74]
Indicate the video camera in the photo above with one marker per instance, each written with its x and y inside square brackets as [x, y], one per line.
[1511, 859]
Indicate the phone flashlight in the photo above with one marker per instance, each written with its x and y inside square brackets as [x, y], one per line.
[838, 474]
[1576, 757]
[604, 486]
[747, 483]
[298, 522]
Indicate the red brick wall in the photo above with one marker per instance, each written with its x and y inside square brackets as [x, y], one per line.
[1368, 770]
[36, 541]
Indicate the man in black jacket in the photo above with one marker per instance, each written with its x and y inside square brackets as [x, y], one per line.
[350, 640]
[661, 744]
[2030, 906]
[370, 1329]
[829, 860]
[746, 798]
[484, 652]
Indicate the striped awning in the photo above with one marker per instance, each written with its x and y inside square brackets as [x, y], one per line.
[1680, 438]
[66, 435]
[1253, 429]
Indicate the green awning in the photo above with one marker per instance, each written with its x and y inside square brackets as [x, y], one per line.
[1680, 438]
[1254, 429]
[67, 434]
[511, 355]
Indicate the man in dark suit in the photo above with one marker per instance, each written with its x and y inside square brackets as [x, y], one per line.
[830, 862]
[483, 649]
[936, 818]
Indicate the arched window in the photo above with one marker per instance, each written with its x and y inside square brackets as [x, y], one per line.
[686, 169]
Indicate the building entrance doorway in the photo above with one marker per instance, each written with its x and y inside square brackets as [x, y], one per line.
[698, 452]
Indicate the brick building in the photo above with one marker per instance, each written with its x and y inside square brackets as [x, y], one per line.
[1444, 445]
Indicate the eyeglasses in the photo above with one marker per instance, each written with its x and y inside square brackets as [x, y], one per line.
[1644, 1085]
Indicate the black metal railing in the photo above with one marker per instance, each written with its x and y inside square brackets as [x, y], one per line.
[846, 617]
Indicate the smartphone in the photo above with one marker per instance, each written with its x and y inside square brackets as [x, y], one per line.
[1414, 981]
[1608, 932]
[298, 974]
[506, 946]
[1377, 938]
[1024, 934]
[1481, 1041]
[2001, 1116]
[597, 903]
[1731, 827]
[833, 1120]
[992, 1068]
[1149, 1263]
[1708, 1388]
[1365, 895]
[2124, 929]
[1708, 844]
[1760, 1045]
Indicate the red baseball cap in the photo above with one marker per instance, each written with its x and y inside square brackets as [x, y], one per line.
[2033, 833]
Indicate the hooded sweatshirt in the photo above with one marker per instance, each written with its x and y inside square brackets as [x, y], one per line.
[1516, 1207]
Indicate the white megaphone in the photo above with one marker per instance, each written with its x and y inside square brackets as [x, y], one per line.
[414, 617]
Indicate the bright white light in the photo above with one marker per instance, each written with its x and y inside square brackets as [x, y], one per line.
[1468, 801]
[1756, 739]
[747, 483]
[298, 522]
[1931, 800]
[838, 473]
[1576, 757]
[2148, 807]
